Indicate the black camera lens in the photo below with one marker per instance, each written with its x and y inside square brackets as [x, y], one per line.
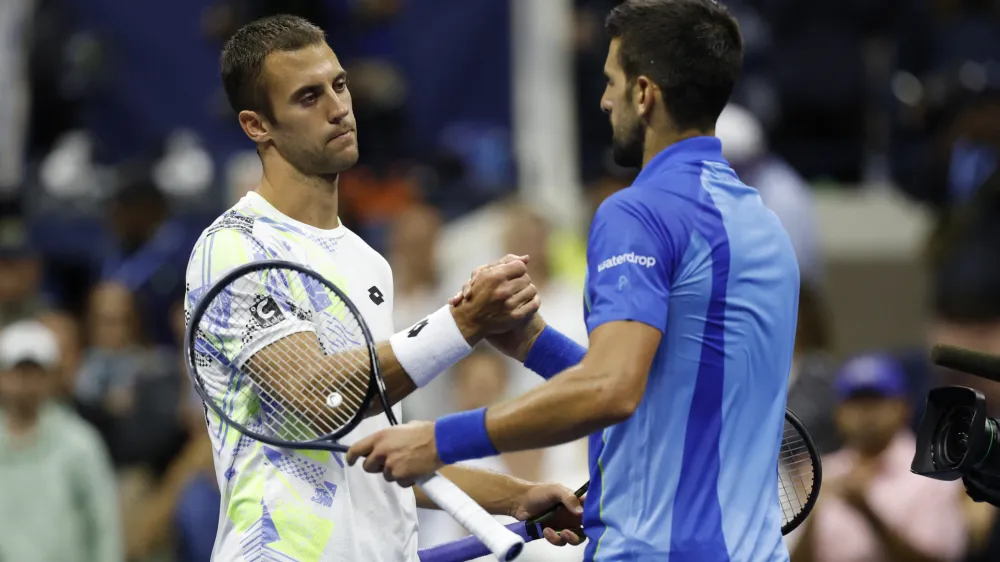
[952, 443]
[954, 434]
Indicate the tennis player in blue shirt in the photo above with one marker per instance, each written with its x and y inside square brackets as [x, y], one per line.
[691, 302]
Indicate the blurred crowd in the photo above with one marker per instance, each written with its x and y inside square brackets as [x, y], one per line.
[117, 149]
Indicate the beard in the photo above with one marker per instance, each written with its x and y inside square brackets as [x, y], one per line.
[628, 146]
[311, 160]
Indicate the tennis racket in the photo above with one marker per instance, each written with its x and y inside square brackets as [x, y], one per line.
[283, 356]
[799, 477]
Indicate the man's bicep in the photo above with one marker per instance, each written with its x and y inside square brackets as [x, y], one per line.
[249, 311]
[623, 353]
[629, 268]
[295, 373]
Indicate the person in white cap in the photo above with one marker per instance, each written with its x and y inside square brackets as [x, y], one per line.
[782, 189]
[57, 492]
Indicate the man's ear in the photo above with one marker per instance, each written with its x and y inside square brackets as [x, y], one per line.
[644, 97]
[255, 125]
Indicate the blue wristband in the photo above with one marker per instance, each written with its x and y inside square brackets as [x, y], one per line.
[553, 353]
[463, 436]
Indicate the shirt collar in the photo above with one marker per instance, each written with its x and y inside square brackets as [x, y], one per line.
[694, 149]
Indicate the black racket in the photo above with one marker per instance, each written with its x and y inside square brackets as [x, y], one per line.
[799, 477]
[283, 356]
[800, 473]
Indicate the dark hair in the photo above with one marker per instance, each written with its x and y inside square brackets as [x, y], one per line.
[691, 49]
[244, 53]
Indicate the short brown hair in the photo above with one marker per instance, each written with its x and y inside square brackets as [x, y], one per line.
[691, 49]
[244, 54]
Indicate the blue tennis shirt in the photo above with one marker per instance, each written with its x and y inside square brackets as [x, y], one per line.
[692, 475]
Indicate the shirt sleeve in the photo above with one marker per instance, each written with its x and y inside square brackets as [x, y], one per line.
[630, 263]
[252, 311]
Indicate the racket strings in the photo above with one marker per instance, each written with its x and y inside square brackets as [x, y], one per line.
[795, 473]
[278, 351]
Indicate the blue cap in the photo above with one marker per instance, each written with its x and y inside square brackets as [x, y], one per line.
[877, 373]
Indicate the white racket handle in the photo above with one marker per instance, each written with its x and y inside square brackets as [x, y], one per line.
[502, 542]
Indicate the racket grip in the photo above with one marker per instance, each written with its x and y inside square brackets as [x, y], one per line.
[501, 541]
[469, 548]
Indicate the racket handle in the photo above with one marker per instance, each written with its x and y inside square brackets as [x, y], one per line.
[501, 541]
[470, 548]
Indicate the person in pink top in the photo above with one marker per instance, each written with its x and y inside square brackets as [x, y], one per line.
[871, 507]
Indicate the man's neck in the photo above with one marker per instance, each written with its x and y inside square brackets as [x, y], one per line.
[310, 200]
[21, 425]
[657, 142]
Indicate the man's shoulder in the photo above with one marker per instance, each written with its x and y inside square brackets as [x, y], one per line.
[77, 436]
[237, 218]
[364, 250]
[658, 200]
[234, 232]
[240, 218]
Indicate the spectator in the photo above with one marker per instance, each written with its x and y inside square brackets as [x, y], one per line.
[782, 189]
[55, 477]
[529, 233]
[810, 384]
[184, 503]
[20, 273]
[152, 247]
[67, 332]
[130, 390]
[413, 254]
[526, 232]
[871, 506]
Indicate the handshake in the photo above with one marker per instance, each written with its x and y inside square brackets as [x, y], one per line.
[499, 303]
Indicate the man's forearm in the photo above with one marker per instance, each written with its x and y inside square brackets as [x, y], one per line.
[497, 493]
[898, 547]
[575, 405]
[455, 337]
[398, 384]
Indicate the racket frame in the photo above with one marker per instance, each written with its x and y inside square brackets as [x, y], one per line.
[504, 544]
[817, 465]
[459, 550]
[375, 383]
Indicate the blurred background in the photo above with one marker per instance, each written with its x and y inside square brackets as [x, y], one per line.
[871, 127]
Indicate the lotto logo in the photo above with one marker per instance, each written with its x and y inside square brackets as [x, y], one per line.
[417, 328]
[615, 261]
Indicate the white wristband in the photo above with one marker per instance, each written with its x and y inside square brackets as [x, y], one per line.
[429, 347]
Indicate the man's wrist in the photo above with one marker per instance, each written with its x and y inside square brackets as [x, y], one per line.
[430, 346]
[532, 331]
[552, 352]
[467, 325]
[515, 497]
[463, 436]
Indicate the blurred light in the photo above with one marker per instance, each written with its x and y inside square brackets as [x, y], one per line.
[186, 169]
[66, 171]
[972, 75]
[741, 134]
[907, 88]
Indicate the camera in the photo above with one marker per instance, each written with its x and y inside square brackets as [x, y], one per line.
[956, 439]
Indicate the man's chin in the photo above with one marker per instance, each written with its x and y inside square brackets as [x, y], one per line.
[343, 159]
